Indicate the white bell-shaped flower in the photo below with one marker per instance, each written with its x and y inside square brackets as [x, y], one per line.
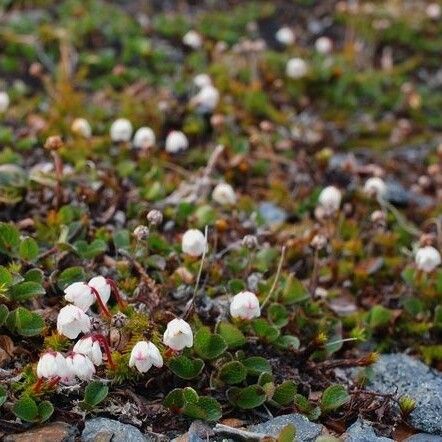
[193, 39]
[206, 99]
[89, 347]
[51, 364]
[285, 36]
[81, 127]
[176, 141]
[224, 194]
[330, 199]
[375, 187]
[4, 101]
[79, 294]
[178, 334]
[245, 305]
[193, 242]
[144, 355]
[144, 138]
[427, 259]
[100, 284]
[81, 366]
[296, 68]
[324, 45]
[72, 321]
[121, 130]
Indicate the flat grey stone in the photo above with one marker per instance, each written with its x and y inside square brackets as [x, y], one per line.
[362, 431]
[272, 214]
[423, 437]
[306, 431]
[401, 374]
[100, 429]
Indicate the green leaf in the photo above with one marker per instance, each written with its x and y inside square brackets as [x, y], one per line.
[95, 393]
[45, 411]
[25, 291]
[25, 322]
[209, 345]
[294, 292]
[9, 239]
[4, 312]
[379, 317]
[190, 395]
[285, 393]
[211, 407]
[26, 409]
[247, 398]
[174, 400]
[334, 397]
[121, 239]
[34, 275]
[90, 251]
[264, 330]
[256, 365]
[69, 276]
[233, 372]
[186, 368]
[233, 336]
[6, 278]
[29, 249]
[3, 395]
[287, 341]
[278, 315]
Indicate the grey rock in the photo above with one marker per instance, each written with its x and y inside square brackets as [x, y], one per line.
[271, 213]
[401, 374]
[362, 431]
[306, 431]
[423, 437]
[397, 194]
[100, 429]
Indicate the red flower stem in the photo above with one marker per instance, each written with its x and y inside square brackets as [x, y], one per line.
[103, 341]
[121, 303]
[38, 385]
[53, 382]
[103, 307]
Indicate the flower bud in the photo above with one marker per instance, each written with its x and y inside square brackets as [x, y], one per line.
[121, 130]
[250, 241]
[206, 99]
[154, 217]
[193, 243]
[72, 321]
[245, 305]
[285, 36]
[330, 199]
[178, 335]
[427, 259]
[296, 68]
[144, 355]
[141, 233]
[224, 194]
[4, 101]
[144, 138]
[176, 141]
[323, 45]
[375, 187]
[319, 242]
[53, 142]
[193, 39]
[81, 127]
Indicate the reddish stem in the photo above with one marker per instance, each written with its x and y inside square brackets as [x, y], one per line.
[103, 341]
[38, 385]
[103, 307]
[53, 382]
[121, 303]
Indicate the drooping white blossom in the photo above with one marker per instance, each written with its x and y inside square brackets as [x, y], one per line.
[427, 259]
[144, 355]
[178, 334]
[245, 305]
[72, 321]
[193, 242]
